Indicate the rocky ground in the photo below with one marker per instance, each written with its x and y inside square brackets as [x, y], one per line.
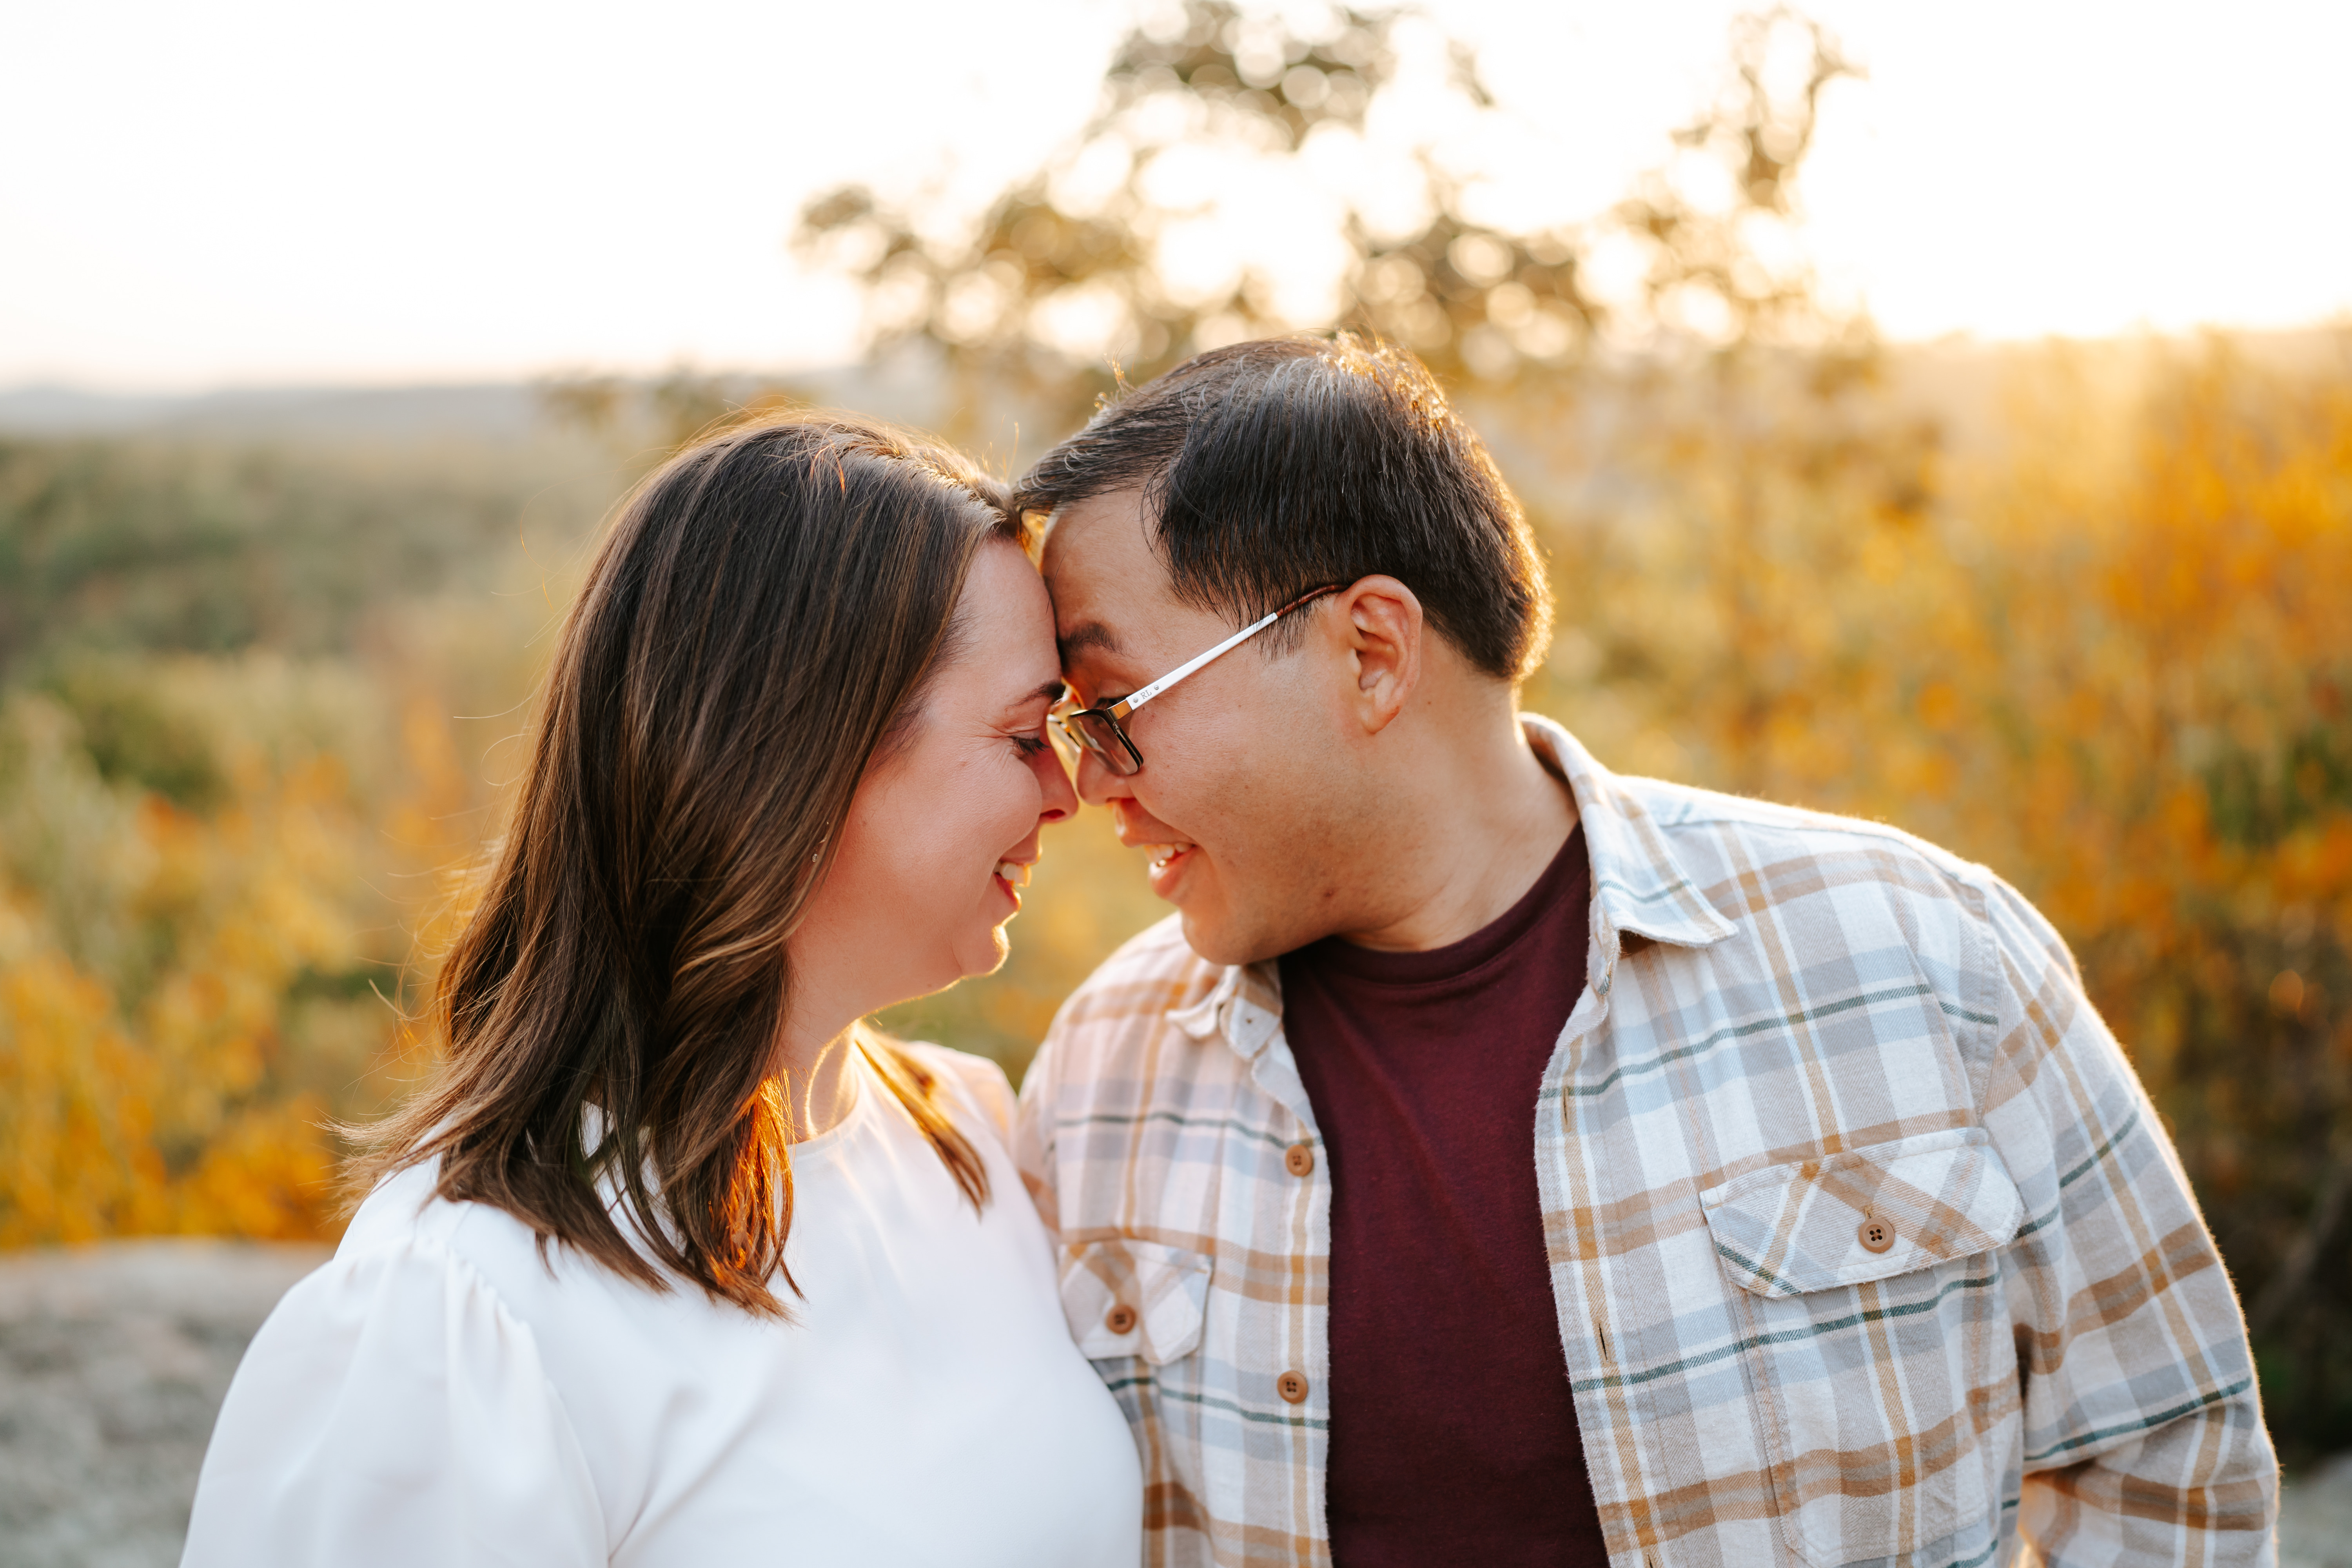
[113, 1359]
[112, 1362]
[2315, 1521]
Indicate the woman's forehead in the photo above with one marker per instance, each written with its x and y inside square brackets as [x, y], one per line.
[1011, 625]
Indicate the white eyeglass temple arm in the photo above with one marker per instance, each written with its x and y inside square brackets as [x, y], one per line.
[1123, 709]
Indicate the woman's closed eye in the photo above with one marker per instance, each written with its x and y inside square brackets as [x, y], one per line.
[1024, 723]
[1034, 739]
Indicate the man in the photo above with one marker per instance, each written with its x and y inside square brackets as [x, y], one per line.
[1496, 1161]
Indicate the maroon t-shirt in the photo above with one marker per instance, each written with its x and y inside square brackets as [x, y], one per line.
[1453, 1436]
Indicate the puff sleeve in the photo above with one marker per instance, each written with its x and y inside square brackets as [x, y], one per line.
[394, 1411]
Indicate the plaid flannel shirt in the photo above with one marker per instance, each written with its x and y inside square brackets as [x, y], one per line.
[1866, 1245]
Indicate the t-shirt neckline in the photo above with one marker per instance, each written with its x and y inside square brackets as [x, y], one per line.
[860, 1081]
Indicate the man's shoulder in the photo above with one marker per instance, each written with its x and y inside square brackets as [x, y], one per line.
[1823, 877]
[1713, 835]
[1662, 842]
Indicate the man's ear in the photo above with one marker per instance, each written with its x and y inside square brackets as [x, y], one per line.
[1378, 622]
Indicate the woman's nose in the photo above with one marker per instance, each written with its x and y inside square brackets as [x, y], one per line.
[1098, 785]
[1061, 800]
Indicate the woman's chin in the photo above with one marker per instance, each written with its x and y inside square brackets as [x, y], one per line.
[999, 948]
[982, 953]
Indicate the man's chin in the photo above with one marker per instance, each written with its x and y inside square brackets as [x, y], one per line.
[1219, 939]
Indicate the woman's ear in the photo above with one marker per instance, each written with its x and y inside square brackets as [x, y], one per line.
[1378, 619]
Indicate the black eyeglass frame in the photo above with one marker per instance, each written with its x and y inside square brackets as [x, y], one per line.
[1101, 732]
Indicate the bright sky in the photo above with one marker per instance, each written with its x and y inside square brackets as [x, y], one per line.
[266, 191]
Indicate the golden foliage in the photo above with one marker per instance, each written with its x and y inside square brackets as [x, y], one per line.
[75, 1160]
[187, 992]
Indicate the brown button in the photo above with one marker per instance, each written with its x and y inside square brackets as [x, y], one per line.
[1120, 1319]
[1292, 1386]
[1299, 1159]
[1877, 1234]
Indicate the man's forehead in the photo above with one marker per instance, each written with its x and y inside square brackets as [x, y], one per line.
[1100, 570]
[1098, 533]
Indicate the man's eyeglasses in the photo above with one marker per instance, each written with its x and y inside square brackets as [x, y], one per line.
[1100, 731]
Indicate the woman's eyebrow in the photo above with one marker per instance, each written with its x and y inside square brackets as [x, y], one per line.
[1051, 691]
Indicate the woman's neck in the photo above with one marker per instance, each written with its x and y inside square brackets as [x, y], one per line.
[814, 1047]
[817, 1089]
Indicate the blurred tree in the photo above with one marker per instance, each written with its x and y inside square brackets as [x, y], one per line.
[164, 1060]
[645, 420]
[2171, 747]
[1066, 273]
[992, 299]
[2106, 656]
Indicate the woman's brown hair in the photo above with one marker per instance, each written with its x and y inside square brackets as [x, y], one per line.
[759, 625]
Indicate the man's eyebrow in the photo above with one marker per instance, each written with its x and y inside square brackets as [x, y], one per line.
[1088, 633]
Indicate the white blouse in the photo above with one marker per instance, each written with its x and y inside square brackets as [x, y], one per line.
[438, 1394]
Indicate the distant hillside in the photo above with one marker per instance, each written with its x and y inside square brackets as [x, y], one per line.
[287, 518]
[487, 411]
[509, 411]
[175, 543]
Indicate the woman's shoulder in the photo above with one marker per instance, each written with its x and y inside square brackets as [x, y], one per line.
[407, 1236]
[406, 1217]
[406, 1244]
[396, 1369]
[430, 1281]
[976, 1084]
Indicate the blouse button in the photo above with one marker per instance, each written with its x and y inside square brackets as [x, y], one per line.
[1877, 1234]
[1292, 1386]
[1120, 1319]
[1299, 1159]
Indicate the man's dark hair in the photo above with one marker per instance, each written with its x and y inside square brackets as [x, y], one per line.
[1270, 468]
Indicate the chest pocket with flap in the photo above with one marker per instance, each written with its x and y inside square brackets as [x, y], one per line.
[1130, 1298]
[1877, 1338]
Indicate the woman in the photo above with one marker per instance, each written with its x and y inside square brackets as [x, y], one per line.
[674, 1261]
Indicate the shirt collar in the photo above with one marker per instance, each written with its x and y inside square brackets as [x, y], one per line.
[1245, 1005]
[1638, 884]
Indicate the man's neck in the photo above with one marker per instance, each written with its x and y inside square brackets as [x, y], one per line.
[1474, 829]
